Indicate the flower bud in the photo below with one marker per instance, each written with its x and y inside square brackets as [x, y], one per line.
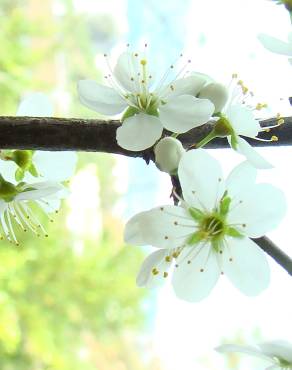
[168, 152]
[216, 93]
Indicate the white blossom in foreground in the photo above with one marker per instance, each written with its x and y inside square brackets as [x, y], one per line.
[236, 119]
[277, 46]
[16, 206]
[209, 233]
[149, 105]
[27, 165]
[278, 353]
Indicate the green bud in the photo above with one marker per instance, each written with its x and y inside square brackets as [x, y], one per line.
[216, 93]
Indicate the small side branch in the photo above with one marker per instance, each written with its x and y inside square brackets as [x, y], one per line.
[276, 253]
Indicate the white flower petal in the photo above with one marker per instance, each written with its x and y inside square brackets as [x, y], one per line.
[246, 265]
[259, 208]
[243, 121]
[194, 281]
[275, 45]
[241, 177]
[277, 348]
[190, 85]
[156, 260]
[139, 132]
[201, 179]
[36, 105]
[208, 79]
[182, 113]
[100, 98]
[162, 227]
[244, 148]
[3, 206]
[54, 166]
[39, 190]
[249, 350]
[127, 68]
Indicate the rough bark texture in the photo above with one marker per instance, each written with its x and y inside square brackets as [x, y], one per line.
[100, 136]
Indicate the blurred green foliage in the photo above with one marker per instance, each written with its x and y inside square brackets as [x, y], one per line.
[63, 309]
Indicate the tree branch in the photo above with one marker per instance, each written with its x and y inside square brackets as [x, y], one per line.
[100, 136]
[276, 253]
[96, 135]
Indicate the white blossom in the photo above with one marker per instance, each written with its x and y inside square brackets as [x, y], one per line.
[27, 165]
[209, 233]
[238, 119]
[16, 206]
[278, 353]
[277, 46]
[149, 105]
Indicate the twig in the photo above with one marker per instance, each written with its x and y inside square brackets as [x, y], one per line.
[276, 253]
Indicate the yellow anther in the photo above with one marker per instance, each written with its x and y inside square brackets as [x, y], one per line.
[278, 115]
[244, 89]
[274, 138]
[268, 130]
[240, 82]
[234, 75]
[175, 254]
[165, 274]
[143, 62]
[167, 259]
[281, 121]
[259, 106]
[155, 271]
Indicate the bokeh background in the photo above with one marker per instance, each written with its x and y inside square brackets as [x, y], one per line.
[70, 301]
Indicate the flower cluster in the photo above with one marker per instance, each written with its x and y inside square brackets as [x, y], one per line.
[210, 230]
[31, 179]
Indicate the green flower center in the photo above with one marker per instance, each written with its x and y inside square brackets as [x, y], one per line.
[213, 227]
